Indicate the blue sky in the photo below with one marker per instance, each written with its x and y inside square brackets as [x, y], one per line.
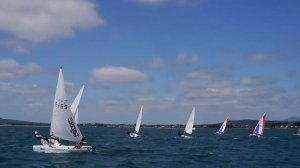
[227, 58]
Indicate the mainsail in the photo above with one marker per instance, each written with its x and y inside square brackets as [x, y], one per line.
[223, 127]
[63, 125]
[259, 129]
[75, 104]
[139, 121]
[190, 123]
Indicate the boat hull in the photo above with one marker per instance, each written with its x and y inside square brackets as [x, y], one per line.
[219, 133]
[133, 134]
[256, 135]
[61, 149]
[185, 136]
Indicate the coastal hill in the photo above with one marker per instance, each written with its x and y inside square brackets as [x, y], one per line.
[232, 124]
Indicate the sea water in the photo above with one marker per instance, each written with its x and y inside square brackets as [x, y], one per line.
[157, 147]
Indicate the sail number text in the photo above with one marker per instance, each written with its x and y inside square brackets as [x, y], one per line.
[73, 129]
[61, 105]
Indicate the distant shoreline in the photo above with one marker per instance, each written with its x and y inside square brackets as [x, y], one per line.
[232, 124]
[12, 125]
[285, 125]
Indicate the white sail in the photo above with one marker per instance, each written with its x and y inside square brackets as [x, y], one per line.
[75, 104]
[223, 127]
[139, 121]
[63, 125]
[190, 123]
[259, 128]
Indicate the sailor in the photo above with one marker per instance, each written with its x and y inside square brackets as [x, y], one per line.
[180, 133]
[78, 145]
[40, 137]
[127, 132]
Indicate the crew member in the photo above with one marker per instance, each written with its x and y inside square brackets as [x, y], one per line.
[40, 137]
[79, 144]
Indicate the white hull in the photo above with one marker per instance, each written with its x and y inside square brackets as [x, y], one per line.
[219, 133]
[258, 136]
[185, 136]
[133, 134]
[61, 149]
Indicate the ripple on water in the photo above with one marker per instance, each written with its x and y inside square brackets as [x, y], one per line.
[157, 148]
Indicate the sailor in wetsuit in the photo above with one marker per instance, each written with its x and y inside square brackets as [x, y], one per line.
[80, 144]
[40, 137]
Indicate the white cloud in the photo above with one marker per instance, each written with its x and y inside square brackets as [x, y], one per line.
[156, 63]
[203, 84]
[19, 46]
[143, 99]
[263, 58]
[199, 74]
[161, 2]
[117, 74]
[150, 2]
[11, 69]
[184, 58]
[69, 84]
[257, 80]
[43, 20]
[25, 102]
[244, 96]
[25, 90]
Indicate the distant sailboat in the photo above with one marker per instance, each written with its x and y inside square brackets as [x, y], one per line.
[63, 126]
[137, 125]
[223, 127]
[75, 104]
[189, 125]
[260, 126]
[297, 133]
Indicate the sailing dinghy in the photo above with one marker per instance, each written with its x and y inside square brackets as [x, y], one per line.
[137, 125]
[189, 126]
[63, 126]
[223, 127]
[297, 133]
[260, 126]
[75, 104]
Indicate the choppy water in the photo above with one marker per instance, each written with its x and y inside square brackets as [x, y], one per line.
[157, 148]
